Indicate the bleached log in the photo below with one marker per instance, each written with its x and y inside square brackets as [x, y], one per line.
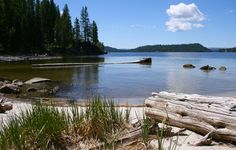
[201, 114]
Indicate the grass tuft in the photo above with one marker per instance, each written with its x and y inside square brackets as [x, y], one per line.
[45, 127]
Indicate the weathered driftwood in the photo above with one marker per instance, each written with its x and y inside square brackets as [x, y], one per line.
[206, 140]
[201, 114]
[147, 61]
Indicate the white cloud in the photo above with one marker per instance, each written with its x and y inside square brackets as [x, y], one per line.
[184, 17]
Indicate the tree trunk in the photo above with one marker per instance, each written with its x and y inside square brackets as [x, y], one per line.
[201, 114]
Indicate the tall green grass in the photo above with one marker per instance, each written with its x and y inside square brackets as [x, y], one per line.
[39, 127]
[45, 127]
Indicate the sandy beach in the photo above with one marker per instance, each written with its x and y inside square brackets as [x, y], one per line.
[136, 114]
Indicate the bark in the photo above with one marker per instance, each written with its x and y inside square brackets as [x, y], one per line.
[201, 114]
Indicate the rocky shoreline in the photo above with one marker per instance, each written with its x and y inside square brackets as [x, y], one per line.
[9, 58]
[33, 87]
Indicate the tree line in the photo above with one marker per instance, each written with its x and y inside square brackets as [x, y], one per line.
[195, 47]
[38, 26]
[233, 49]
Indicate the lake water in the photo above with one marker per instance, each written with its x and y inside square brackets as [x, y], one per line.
[133, 83]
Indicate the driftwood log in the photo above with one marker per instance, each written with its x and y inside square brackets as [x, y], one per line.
[201, 114]
[145, 61]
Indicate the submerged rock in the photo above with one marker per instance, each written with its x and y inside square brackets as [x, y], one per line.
[32, 89]
[1, 83]
[2, 110]
[5, 105]
[222, 68]
[9, 89]
[17, 82]
[55, 89]
[189, 66]
[37, 80]
[207, 68]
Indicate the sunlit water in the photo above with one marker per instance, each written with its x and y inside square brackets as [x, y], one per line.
[133, 83]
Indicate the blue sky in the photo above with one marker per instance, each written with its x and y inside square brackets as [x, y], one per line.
[132, 23]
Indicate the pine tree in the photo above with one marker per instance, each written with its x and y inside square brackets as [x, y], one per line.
[85, 24]
[38, 35]
[2, 24]
[30, 17]
[76, 30]
[94, 33]
[65, 33]
[48, 16]
[57, 28]
[36, 26]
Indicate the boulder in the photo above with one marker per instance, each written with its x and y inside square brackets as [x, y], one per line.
[7, 82]
[55, 89]
[2, 110]
[222, 68]
[32, 89]
[207, 68]
[17, 82]
[1, 83]
[9, 89]
[189, 66]
[37, 80]
[5, 106]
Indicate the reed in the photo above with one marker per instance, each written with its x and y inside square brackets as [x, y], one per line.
[45, 127]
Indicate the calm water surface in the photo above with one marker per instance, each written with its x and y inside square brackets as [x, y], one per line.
[135, 82]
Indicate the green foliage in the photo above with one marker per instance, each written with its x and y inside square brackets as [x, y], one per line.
[228, 49]
[173, 48]
[65, 35]
[85, 24]
[145, 129]
[45, 127]
[40, 127]
[29, 26]
[101, 117]
[164, 48]
[94, 33]
[76, 30]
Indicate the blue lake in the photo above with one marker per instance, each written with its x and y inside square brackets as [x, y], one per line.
[133, 83]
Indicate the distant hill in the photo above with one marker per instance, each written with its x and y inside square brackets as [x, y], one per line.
[228, 49]
[164, 48]
[112, 49]
[214, 49]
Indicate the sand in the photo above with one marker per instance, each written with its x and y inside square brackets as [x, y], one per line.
[135, 114]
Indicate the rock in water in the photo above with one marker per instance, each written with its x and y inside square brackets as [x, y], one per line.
[37, 80]
[222, 68]
[32, 89]
[207, 68]
[2, 110]
[5, 106]
[9, 89]
[189, 66]
[17, 82]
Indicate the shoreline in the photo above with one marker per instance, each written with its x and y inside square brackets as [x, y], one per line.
[136, 114]
[11, 58]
